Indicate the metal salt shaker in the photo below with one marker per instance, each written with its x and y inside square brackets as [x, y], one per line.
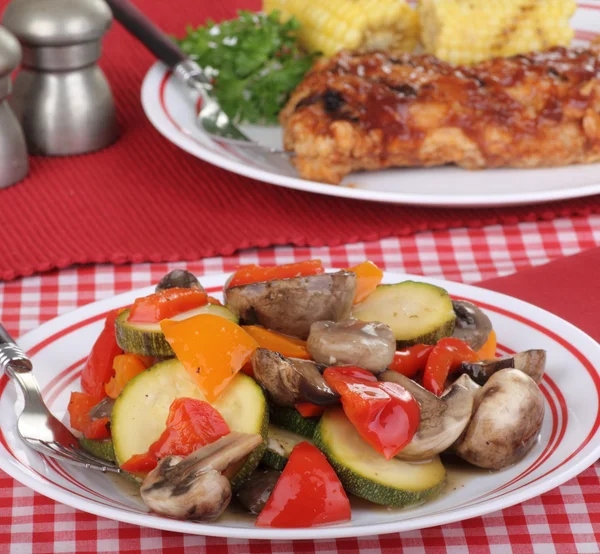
[13, 151]
[61, 96]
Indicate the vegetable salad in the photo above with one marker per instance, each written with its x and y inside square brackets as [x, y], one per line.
[304, 388]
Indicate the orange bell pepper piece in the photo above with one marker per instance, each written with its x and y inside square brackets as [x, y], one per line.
[368, 276]
[211, 348]
[488, 350]
[287, 346]
[126, 367]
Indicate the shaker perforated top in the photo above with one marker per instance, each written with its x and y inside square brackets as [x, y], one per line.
[57, 22]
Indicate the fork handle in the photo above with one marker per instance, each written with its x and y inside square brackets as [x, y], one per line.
[160, 44]
[147, 32]
[11, 356]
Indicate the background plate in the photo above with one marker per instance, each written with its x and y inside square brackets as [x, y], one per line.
[169, 107]
[570, 437]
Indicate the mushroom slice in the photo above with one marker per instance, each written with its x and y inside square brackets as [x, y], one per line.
[291, 380]
[472, 325]
[368, 345]
[102, 409]
[194, 487]
[290, 306]
[179, 279]
[530, 362]
[255, 492]
[507, 417]
[443, 419]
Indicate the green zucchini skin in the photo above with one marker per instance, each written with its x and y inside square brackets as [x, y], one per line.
[100, 448]
[432, 338]
[254, 459]
[273, 460]
[147, 339]
[373, 488]
[417, 313]
[104, 449]
[138, 341]
[291, 420]
[280, 443]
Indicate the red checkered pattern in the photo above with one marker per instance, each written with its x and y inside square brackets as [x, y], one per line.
[565, 520]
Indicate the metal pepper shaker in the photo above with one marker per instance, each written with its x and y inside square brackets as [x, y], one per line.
[61, 96]
[13, 151]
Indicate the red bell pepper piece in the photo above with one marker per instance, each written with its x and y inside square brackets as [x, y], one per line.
[191, 424]
[247, 274]
[307, 409]
[98, 368]
[165, 304]
[411, 360]
[384, 414]
[307, 494]
[98, 429]
[79, 408]
[447, 356]
[349, 373]
[140, 463]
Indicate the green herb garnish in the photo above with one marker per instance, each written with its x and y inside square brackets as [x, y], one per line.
[255, 61]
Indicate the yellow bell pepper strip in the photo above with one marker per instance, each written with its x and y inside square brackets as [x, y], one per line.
[488, 350]
[289, 347]
[211, 348]
[126, 367]
[368, 276]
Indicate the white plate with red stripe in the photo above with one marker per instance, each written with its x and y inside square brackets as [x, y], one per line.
[568, 444]
[171, 110]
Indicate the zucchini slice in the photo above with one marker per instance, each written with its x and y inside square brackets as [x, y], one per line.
[102, 449]
[416, 312]
[140, 412]
[280, 444]
[367, 474]
[148, 340]
[290, 419]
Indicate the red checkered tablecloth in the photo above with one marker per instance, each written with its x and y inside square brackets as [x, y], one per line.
[565, 520]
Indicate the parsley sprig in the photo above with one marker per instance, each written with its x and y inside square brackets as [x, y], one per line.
[255, 61]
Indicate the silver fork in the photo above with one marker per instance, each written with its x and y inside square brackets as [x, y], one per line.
[38, 428]
[211, 117]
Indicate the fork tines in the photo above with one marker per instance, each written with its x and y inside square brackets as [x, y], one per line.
[73, 454]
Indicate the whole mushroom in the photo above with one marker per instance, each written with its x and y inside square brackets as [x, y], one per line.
[471, 325]
[370, 345]
[179, 279]
[291, 306]
[194, 487]
[507, 417]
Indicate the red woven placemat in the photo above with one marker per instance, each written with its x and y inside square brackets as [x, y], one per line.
[143, 199]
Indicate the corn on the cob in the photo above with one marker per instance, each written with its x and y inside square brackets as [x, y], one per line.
[469, 31]
[334, 25]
